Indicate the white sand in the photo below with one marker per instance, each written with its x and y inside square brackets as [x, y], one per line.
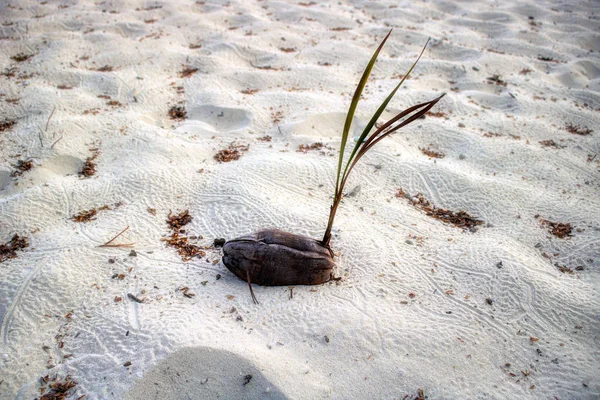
[382, 342]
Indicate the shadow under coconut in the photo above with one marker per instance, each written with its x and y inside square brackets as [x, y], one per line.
[204, 373]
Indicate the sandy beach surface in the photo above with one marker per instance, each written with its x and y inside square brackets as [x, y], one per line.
[116, 114]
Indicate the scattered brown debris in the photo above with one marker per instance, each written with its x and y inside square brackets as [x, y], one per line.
[339, 29]
[88, 215]
[250, 91]
[266, 138]
[288, 49]
[432, 153]
[152, 210]
[64, 87]
[56, 388]
[276, 116]
[10, 72]
[186, 292]
[177, 113]
[7, 124]
[460, 219]
[195, 46]
[305, 148]
[558, 229]
[9, 249]
[266, 67]
[578, 130]
[567, 270]
[149, 8]
[187, 71]
[106, 68]
[85, 216]
[492, 134]
[92, 111]
[420, 396]
[21, 57]
[525, 71]
[400, 193]
[185, 248]
[20, 167]
[547, 59]
[114, 103]
[150, 21]
[177, 221]
[89, 166]
[495, 79]
[549, 143]
[436, 114]
[312, 3]
[232, 153]
[135, 298]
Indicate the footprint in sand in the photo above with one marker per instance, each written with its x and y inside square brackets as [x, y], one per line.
[218, 119]
[321, 125]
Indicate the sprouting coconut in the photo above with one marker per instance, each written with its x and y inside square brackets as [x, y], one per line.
[271, 257]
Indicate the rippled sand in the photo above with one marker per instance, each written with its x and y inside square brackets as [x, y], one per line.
[508, 311]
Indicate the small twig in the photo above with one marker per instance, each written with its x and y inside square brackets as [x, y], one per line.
[291, 292]
[135, 298]
[57, 140]
[118, 245]
[49, 118]
[110, 244]
[40, 137]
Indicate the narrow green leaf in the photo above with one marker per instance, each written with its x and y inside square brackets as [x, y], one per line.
[352, 109]
[379, 111]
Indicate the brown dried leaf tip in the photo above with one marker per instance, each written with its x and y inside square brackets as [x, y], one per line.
[187, 71]
[177, 113]
[432, 153]
[186, 250]
[460, 219]
[7, 124]
[558, 229]
[578, 130]
[232, 153]
[56, 388]
[20, 167]
[9, 249]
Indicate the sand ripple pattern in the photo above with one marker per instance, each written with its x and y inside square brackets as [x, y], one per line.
[420, 305]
